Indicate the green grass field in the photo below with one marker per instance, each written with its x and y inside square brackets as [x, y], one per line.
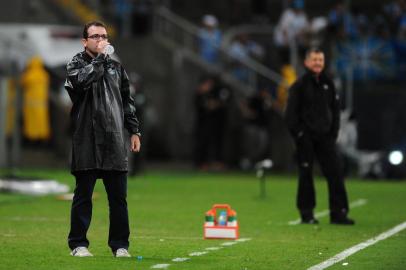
[166, 218]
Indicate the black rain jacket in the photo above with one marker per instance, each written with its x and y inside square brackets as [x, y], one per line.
[313, 107]
[102, 110]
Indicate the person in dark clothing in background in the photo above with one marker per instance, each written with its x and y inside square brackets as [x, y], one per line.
[256, 131]
[211, 99]
[313, 116]
[102, 109]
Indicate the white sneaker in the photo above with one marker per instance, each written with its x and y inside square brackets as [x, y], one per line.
[81, 252]
[122, 252]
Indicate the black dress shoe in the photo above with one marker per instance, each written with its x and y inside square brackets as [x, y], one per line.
[342, 221]
[307, 217]
[311, 220]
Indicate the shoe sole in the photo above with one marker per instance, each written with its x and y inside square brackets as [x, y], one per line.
[341, 223]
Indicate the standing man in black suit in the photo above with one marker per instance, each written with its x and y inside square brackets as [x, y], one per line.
[313, 117]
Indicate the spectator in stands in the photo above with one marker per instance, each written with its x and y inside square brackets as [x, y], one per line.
[394, 11]
[402, 28]
[212, 99]
[210, 38]
[362, 23]
[293, 25]
[243, 48]
[341, 22]
[256, 133]
[123, 10]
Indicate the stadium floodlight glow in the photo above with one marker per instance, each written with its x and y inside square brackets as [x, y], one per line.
[395, 157]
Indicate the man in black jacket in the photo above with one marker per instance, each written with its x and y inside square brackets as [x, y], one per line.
[211, 100]
[312, 116]
[102, 109]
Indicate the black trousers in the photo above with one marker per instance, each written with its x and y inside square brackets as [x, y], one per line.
[209, 139]
[115, 183]
[324, 150]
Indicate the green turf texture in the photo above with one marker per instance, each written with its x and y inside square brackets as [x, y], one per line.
[166, 217]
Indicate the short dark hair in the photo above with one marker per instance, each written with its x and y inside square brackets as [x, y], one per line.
[89, 24]
[313, 50]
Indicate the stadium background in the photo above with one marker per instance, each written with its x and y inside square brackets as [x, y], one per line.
[166, 71]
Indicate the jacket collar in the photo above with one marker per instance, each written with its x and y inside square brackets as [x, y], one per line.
[86, 56]
[312, 75]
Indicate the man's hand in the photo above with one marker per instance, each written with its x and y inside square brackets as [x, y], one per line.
[101, 45]
[135, 143]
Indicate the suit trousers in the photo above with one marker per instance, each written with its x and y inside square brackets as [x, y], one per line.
[115, 183]
[323, 149]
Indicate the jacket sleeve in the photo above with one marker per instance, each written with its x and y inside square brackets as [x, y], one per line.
[335, 110]
[292, 113]
[131, 122]
[80, 76]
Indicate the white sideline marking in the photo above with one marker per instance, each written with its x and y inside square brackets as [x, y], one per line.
[8, 235]
[243, 239]
[200, 253]
[168, 238]
[160, 266]
[213, 248]
[348, 252]
[357, 203]
[229, 243]
[180, 259]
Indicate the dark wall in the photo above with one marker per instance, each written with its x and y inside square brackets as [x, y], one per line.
[381, 113]
[244, 11]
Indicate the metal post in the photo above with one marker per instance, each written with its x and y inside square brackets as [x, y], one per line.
[262, 183]
[261, 168]
[16, 139]
[3, 114]
[294, 55]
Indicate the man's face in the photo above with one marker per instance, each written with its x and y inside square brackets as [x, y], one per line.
[315, 62]
[95, 35]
